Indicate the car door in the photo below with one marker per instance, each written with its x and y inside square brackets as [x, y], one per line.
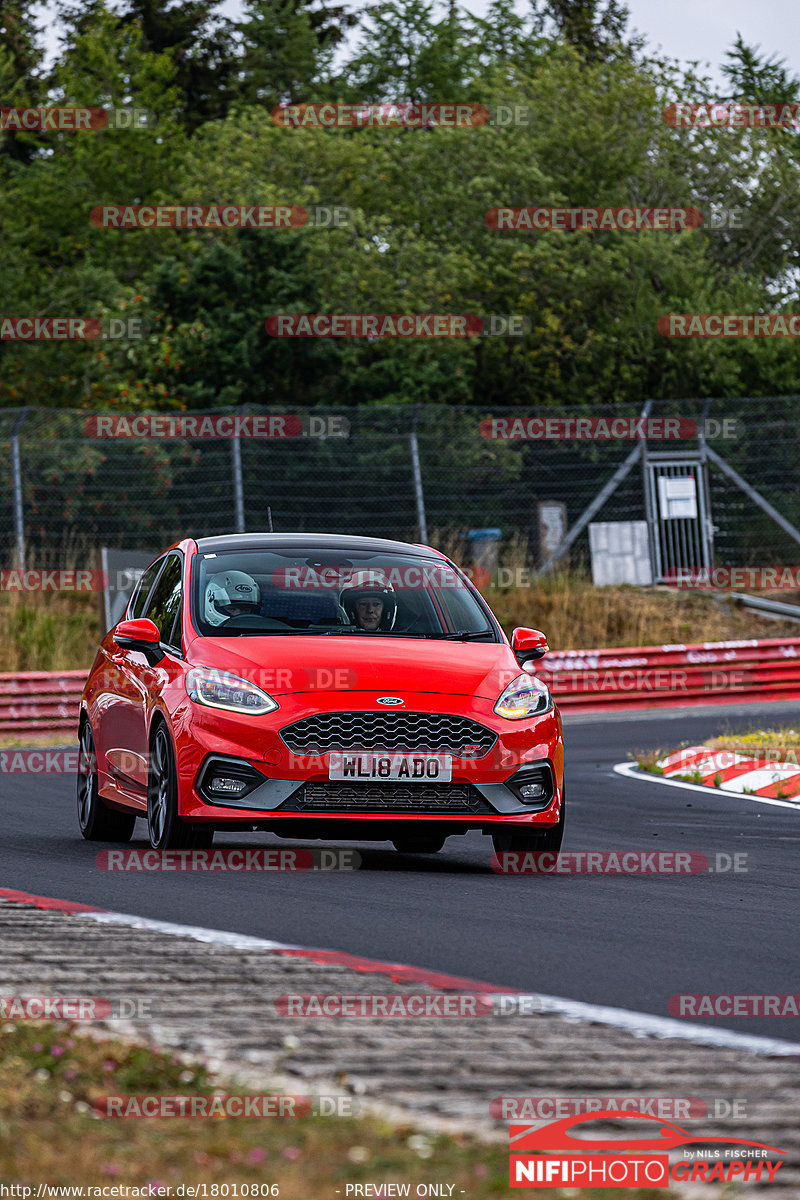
[139, 683]
[162, 608]
[117, 699]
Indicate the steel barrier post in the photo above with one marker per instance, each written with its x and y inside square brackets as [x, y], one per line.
[238, 489]
[16, 490]
[417, 473]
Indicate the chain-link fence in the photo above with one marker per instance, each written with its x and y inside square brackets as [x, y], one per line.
[76, 479]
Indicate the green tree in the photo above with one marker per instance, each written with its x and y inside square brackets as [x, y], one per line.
[22, 77]
[287, 50]
[595, 28]
[201, 46]
[406, 54]
[58, 263]
[756, 79]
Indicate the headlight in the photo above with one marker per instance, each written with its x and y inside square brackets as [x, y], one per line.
[221, 689]
[525, 696]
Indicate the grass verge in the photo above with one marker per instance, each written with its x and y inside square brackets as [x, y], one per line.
[780, 745]
[647, 760]
[51, 1076]
[57, 631]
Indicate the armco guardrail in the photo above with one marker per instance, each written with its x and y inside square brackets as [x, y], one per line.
[40, 701]
[581, 681]
[674, 676]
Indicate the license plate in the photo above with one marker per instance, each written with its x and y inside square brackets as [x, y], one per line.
[368, 766]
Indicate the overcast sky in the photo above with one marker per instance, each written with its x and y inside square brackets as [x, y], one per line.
[705, 29]
[684, 29]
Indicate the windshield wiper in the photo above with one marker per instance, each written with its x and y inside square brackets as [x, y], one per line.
[463, 635]
[260, 632]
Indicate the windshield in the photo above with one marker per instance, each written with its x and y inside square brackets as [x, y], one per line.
[259, 592]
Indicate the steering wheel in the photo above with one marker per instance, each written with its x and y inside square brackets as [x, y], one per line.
[253, 621]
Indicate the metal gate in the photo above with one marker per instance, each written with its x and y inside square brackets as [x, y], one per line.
[678, 514]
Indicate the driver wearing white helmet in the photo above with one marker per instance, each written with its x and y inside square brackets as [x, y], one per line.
[369, 601]
[231, 594]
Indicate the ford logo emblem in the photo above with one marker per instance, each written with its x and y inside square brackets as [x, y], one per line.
[390, 700]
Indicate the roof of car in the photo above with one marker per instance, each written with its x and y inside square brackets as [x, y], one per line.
[308, 541]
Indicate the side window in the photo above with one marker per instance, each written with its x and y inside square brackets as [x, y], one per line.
[462, 609]
[143, 589]
[166, 599]
[174, 639]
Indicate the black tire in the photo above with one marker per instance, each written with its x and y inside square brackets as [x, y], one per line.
[524, 843]
[98, 822]
[165, 828]
[418, 845]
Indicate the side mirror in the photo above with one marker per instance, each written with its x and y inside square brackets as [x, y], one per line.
[528, 644]
[141, 634]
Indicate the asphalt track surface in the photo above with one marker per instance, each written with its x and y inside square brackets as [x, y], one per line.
[626, 941]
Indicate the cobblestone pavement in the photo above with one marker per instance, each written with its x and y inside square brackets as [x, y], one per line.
[217, 1003]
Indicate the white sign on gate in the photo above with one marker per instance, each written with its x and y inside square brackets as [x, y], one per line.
[677, 497]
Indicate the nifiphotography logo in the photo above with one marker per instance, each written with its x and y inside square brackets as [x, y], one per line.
[550, 1156]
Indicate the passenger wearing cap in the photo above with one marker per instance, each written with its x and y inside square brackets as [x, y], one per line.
[368, 600]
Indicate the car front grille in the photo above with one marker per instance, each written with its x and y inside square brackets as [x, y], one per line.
[340, 796]
[436, 733]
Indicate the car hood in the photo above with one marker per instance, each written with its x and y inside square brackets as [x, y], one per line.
[282, 665]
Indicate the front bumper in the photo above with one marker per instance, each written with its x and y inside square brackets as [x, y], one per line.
[319, 796]
[286, 787]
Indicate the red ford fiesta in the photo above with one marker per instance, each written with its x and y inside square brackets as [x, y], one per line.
[317, 686]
